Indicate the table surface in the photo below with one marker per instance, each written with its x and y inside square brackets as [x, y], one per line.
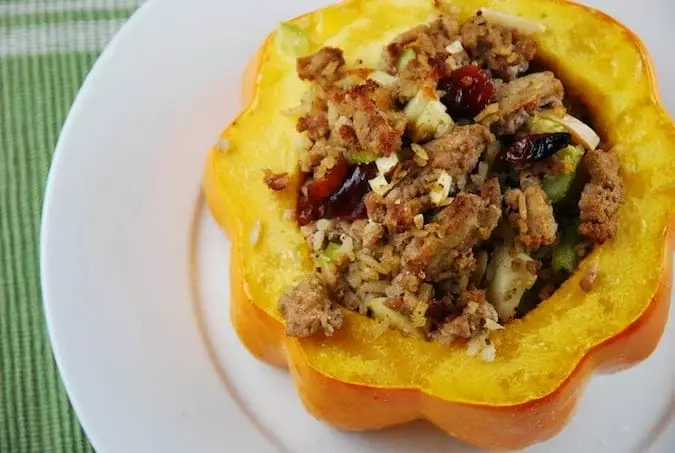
[46, 49]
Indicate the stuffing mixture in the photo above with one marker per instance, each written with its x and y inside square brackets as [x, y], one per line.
[448, 191]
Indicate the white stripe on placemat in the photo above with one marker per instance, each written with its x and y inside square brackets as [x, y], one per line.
[51, 6]
[86, 36]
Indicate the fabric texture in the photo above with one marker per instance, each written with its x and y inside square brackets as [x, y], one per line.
[46, 49]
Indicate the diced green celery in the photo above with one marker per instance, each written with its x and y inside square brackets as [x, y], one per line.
[556, 187]
[292, 40]
[564, 256]
[328, 254]
[539, 124]
[361, 157]
[574, 153]
[406, 57]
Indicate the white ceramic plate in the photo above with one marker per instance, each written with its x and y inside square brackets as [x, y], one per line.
[135, 271]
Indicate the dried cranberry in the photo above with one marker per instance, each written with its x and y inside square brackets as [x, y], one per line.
[438, 310]
[467, 91]
[359, 212]
[344, 201]
[305, 210]
[319, 189]
[534, 147]
[347, 201]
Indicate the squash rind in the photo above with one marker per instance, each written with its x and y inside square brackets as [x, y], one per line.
[356, 382]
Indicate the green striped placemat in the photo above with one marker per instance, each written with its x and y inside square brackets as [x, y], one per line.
[46, 49]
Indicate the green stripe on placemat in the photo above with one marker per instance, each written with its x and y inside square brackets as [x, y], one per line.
[35, 415]
[42, 18]
[46, 49]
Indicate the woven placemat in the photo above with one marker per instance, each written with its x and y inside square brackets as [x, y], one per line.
[46, 49]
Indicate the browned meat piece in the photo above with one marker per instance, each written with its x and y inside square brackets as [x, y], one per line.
[346, 136]
[372, 234]
[492, 192]
[459, 327]
[323, 67]
[401, 294]
[378, 126]
[504, 51]
[322, 149]
[601, 196]
[376, 207]
[397, 210]
[275, 181]
[467, 221]
[531, 214]
[420, 74]
[404, 282]
[307, 309]
[477, 311]
[458, 151]
[343, 294]
[401, 212]
[315, 123]
[430, 40]
[519, 99]
[378, 131]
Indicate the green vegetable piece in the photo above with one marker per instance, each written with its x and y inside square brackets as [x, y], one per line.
[564, 256]
[406, 57]
[328, 254]
[539, 124]
[362, 157]
[292, 40]
[556, 187]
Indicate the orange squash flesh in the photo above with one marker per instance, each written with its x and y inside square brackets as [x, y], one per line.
[358, 381]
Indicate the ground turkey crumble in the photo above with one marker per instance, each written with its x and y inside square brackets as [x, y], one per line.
[601, 196]
[308, 309]
[437, 222]
[531, 216]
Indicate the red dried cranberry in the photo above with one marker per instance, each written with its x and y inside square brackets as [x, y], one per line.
[347, 201]
[319, 189]
[534, 147]
[344, 201]
[439, 310]
[467, 91]
[305, 210]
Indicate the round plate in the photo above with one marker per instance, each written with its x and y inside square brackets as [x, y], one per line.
[134, 270]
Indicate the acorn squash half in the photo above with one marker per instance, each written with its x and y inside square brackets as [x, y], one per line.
[357, 380]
